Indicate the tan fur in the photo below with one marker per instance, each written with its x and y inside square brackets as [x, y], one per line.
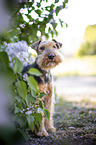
[47, 125]
[47, 45]
[43, 60]
[45, 63]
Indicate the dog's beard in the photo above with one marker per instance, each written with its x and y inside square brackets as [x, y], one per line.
[45, 63]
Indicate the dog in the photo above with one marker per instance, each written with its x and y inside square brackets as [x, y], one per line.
[47, 58]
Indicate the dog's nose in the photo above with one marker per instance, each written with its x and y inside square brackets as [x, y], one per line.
[51, 56]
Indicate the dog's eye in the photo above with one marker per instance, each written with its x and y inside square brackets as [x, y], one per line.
[42, 48]
[54, 46]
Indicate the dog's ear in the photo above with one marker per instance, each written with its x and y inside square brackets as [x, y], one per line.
[35, 45]
[58, 44]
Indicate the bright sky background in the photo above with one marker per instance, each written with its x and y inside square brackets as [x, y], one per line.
[78, 15]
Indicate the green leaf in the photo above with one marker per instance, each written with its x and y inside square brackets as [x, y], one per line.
[29, 17]
[38, 117]
[63, 4]
[19, 99]
[19, 105]
[21, 119]
[30, 119]
[34, 93]
[52, 33]
[33, 85]
[17, 109]
[42, 94]
[37, 124]
[66, 1]
[38, 12]
[33, 99]
[56, 33]
[30, 99]
[61, 22]
[13, 32]
[51, 7]
[41, 104]
[34, 72]
[57, 10]
[25, 134]
[13, 90]
[47, 113]
[17, 66]
[54, 25]
[38, 4]
[22, 89]
[10, 75]
[66, 25]
[56, 1]
[4, 60]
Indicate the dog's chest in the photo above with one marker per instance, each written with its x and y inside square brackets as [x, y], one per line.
[46, 88]
[46, 77]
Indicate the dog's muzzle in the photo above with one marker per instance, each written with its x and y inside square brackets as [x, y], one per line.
[51, 56]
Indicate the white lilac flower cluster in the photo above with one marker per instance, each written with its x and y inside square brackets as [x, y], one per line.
[20, 50]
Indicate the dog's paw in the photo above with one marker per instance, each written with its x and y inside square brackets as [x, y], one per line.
[42, 133]
[53, 129]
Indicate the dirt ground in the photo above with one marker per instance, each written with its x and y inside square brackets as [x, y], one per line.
[75, 113]
[75, 125]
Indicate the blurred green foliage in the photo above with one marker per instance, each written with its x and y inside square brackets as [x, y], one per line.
[29, 17]
[89, 46]
[90, 33]
[26, 103]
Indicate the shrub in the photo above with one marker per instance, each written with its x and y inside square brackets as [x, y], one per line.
[25, 105]
[87, 48]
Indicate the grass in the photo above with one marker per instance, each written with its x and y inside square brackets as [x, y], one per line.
[76, 121]
[76, 66]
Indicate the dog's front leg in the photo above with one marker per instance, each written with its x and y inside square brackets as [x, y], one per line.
[42, 130]
[49, 105]
[49, 125]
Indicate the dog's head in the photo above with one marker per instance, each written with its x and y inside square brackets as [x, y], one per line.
[48, 54]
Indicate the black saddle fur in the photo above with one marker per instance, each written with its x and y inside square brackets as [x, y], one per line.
[44, 78]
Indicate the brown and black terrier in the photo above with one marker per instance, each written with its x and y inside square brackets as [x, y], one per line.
[47, 58]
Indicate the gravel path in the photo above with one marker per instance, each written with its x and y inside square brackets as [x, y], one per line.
[77, 87]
